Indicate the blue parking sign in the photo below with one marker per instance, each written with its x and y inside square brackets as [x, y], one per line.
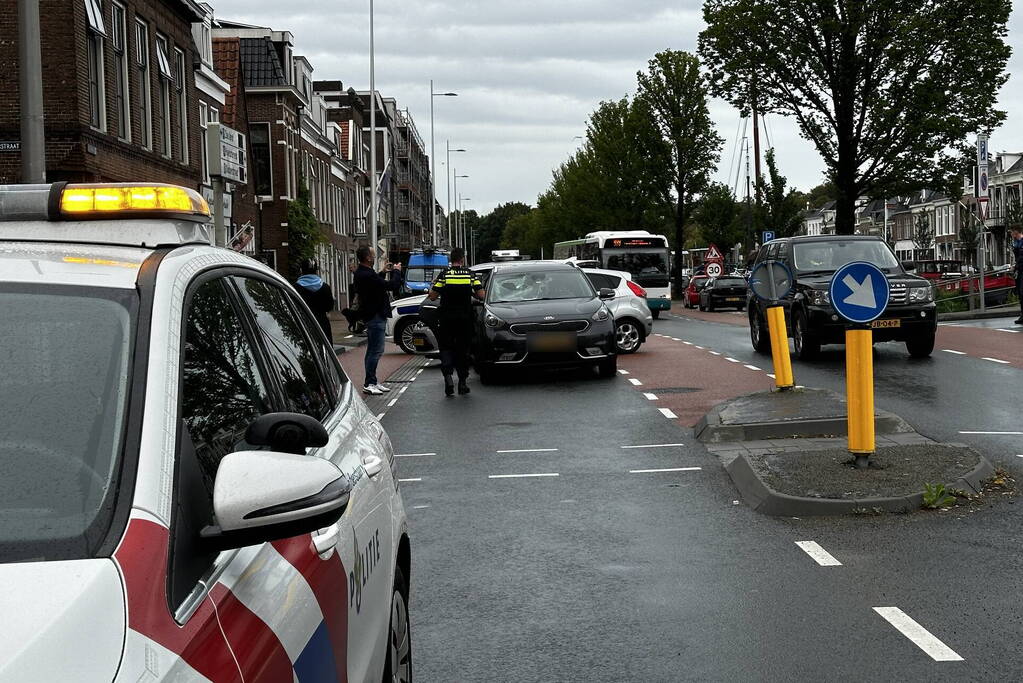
[768, 236]
[859, 292]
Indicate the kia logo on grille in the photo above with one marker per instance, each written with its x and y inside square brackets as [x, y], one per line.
[548, 317]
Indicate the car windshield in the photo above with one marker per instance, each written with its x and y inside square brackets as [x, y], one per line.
[539, 285]
[423, 273]
[639, 262]
[730, 282]
[65, 354]
[827, 257]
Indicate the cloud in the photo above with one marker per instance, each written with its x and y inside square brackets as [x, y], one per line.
[528, 74]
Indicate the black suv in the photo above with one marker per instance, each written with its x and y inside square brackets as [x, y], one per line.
[910, 316]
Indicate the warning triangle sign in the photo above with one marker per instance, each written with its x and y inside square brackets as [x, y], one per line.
[713, 254]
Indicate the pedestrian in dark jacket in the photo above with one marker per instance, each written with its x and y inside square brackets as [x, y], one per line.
[1017, 251]
[317, 295]
[373, 290]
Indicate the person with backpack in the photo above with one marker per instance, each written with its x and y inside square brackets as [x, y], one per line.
[317, 295]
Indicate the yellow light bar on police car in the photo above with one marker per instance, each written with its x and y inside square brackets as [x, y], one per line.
[110, 199]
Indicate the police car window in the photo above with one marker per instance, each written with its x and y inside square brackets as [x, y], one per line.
[483, 275]
[332, 372]
[289, 350]
[63, 393]
[222, 389]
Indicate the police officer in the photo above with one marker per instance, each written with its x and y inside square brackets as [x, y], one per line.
[1017, 251]
[455, 287]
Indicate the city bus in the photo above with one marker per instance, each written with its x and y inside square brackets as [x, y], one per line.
[644, 255]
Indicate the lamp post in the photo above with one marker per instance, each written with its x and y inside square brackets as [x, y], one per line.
[447, 172]
[465, 233]
[456, 234]
[433, 160]
[373, 238]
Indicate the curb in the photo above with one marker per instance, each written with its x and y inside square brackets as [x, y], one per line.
[710, 429]
[977, 315]
[766, 500]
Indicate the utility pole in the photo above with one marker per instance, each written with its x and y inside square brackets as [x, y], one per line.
[30, 87]
[756, 149]
[373, 236]
[749, 201]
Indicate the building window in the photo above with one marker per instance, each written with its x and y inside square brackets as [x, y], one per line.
[164, 122]
[94, 12]
[97, 106]
[203, 150]
[181, 95]
[259, 141]
[145, 106]
[121, 98]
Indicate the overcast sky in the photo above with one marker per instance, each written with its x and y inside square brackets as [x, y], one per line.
[528, 73]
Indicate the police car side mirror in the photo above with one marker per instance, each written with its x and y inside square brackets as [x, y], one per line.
[606, 293]
[262, 496]
[286, 432]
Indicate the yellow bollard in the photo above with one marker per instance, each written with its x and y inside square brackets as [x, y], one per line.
[859, 378]
[780, 348]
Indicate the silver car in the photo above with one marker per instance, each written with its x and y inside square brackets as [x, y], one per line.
[633, 320]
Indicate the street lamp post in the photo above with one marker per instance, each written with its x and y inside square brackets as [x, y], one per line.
[373, 237]
[433, 162]
[447, 172]
[457, 233]
[466, 234]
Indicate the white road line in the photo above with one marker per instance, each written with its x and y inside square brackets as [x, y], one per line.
[523, 476]
[635, 382]
[996, 433]
[650, 397]
[656, 445]
[349, 336]
[393, 401]
[752, 367]
[995, 360]
[675, 339]
[402, 390]
[381, 415]
[771, 375]
[688, 343]
[958, 353]
[412, 455]
[412, 479]
[819, 554]
[531, 450]
[920, 636]
[715, 353]
[623, 372]
[419, 372]
[1019, 456]
[667, 469]
[1009, 331]
[667, 413]
[731, 360]
[420, 507]
[697, 346]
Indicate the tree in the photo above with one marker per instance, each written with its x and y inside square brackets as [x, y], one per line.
[886, 90]
[782, 208]
[923, 237]
[676, 94]
[491, 227]
[969, 233]
[716, 215]
[304, 233]
[821, 195]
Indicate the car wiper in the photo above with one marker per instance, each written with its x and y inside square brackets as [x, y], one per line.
[806, 273]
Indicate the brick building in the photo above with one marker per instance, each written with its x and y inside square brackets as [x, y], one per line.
[120, 96]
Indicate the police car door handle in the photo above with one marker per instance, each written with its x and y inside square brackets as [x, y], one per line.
[326, 539]
[373, 465]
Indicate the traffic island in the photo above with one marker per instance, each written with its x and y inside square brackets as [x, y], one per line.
[785, 455]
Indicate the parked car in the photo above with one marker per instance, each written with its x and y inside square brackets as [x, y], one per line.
[189, 478]
[542, 313]
[691, 297]
[723, 292]
[633, 320]
[910, 316]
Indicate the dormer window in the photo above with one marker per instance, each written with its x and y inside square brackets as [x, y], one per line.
[202, 34]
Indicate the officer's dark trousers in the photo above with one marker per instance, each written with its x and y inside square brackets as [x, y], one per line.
[454, 337]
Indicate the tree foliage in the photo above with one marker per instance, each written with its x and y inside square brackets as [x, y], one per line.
[491, 227]
[923, 236]
[782, 207]
[719, 217]
[886, 90]
[304, 232]
[676, 93]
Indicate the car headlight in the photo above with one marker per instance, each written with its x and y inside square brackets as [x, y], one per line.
[601, 315]
[492, 320]
[921, 294]
[820, 297]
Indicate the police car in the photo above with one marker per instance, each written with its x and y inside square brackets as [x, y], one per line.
[192, 489]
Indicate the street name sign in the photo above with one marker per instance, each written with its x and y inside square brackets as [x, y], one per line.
[859, 292]
[714, 269]
[226, 153]
[771, 281]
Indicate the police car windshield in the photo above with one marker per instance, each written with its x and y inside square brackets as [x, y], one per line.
[540, 285]
[63, 390]
[827, 257]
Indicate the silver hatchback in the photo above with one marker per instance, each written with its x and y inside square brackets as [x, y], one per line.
[633, 320]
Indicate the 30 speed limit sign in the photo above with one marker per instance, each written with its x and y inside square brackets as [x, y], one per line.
[714, 270]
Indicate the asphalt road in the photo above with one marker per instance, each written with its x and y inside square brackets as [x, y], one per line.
[605, 574]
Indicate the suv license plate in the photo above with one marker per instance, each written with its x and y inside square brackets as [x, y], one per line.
[734, 298]
[885, 323]
[552, 341]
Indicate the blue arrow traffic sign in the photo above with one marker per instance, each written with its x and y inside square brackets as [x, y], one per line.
[859, 292]
[771, 281]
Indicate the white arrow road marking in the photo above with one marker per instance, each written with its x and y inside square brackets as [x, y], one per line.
[920, 636]
[819, 554]
[862, 292]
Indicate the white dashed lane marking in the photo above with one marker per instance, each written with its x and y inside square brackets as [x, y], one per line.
[667, 413]
[819, 554]
[420, 507]
[635, 382]
[667, 469]
[996, 433]
[412, 455]
[688, 343]
[623, 372]
[650, 397]
[523, 476]
[995, 360]
[752, 367]
[714, 353]
[412, 479]
[392, 402]
[1009, 331]
[731, 360]
[920, 636]
[958, 353]
[656, 445]
[530, 450]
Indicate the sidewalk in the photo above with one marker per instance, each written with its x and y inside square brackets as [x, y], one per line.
[991, 312]
[340, 334]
